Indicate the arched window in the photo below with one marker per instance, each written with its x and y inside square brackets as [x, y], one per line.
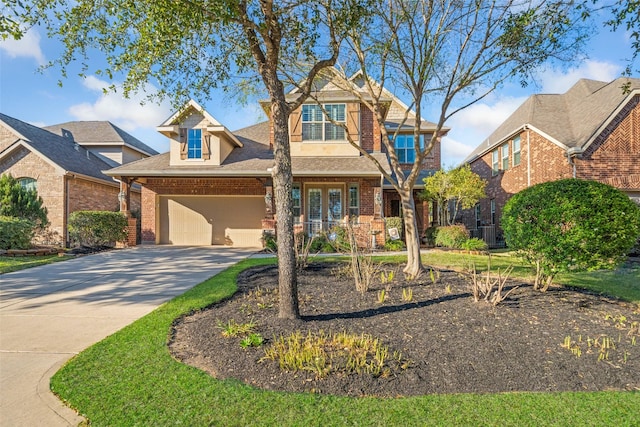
[28, 183]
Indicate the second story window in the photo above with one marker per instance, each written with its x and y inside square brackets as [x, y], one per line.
[495, 166]
[405, 149]
[516, 151]
[318, 127]
[194, 144]
[505, 156]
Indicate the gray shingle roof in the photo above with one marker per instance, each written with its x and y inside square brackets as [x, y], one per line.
[99, 133]
[253, 159]
[59, 150]
[571, 118]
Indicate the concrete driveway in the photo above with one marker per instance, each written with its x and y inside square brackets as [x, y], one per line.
[50, 313]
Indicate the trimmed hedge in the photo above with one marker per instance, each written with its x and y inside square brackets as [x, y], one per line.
[15, 233]
[97, 228]
[452, 236]
[571, 225]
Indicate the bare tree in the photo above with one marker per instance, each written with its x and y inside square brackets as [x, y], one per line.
[447, 55]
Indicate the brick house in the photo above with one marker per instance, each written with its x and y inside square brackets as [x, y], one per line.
[214, 186]
[590, 132]
[65, 163]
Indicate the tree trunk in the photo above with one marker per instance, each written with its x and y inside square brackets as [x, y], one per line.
[412, 235]
[283, 182]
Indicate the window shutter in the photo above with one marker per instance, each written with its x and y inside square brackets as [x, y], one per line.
[353, 121]
[183, 143]
[206, 146]
[295, 125]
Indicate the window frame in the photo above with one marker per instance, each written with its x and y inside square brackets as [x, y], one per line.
[296, 207]
[516, 153]
[322, 121]
[407, 153]
[505, 156]
[495, 162]
[353, 207]
[192, 139]
[28, 183]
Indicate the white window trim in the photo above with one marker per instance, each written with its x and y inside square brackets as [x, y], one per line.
[324, 122]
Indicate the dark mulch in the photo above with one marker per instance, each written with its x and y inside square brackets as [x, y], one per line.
[87, 250]
[453, 344]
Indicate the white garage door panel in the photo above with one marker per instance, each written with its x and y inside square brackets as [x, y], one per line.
[198, 220]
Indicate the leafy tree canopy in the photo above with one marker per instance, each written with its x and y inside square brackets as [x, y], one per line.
[571, 225]
[453, 189]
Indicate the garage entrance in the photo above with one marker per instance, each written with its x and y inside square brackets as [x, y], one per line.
[211, 220]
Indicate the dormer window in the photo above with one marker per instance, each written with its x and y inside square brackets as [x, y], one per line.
[316, 126]
[194, 144]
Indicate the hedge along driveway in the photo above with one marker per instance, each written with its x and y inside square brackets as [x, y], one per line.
[131, 379]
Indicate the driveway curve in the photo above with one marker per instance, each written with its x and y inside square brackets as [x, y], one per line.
[52, 312]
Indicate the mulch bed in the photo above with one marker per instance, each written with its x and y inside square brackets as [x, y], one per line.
[451, 344]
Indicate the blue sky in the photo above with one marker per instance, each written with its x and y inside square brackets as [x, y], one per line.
[35, 97]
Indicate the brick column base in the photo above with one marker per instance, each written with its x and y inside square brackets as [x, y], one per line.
[131, 234]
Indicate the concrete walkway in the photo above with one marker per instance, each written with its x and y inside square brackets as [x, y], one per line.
[50, 313]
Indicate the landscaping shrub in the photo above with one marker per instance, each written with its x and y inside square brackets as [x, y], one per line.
[570, 225]
[452, 236]
[394, 245]
[474, 244]
[15, 233]
[19, 202]
[97, 228]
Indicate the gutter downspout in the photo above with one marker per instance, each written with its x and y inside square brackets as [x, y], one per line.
[572, 153]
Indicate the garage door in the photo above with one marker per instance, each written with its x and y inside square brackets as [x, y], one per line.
[211, 220]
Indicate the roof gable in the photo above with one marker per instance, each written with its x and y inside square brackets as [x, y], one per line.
[99, 133]
[571, 120]
[59, 151]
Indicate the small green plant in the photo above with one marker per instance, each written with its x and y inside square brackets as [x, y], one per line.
[434, 275]
[252, 340]
[474, 244]
[382, 296]
[323, 353]
[407, 294]
[448, 289]
[234, 329]
[394, 245]
[387, 276]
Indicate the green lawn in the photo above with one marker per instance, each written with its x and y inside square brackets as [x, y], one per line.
[131, 379]
[9, 264]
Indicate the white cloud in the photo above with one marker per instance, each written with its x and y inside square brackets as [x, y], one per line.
[127, 113]
[453, 152]
[484, 118]
[28, 47]
[558, 81]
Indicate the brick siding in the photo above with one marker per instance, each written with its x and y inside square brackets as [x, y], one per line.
[613, 158]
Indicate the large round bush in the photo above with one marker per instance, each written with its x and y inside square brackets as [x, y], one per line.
[571, 225]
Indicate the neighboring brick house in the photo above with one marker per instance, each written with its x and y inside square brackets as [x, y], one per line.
[590, 132]
[215, 186]
[67, 170]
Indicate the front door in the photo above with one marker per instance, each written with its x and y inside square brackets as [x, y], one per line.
[324, 206]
